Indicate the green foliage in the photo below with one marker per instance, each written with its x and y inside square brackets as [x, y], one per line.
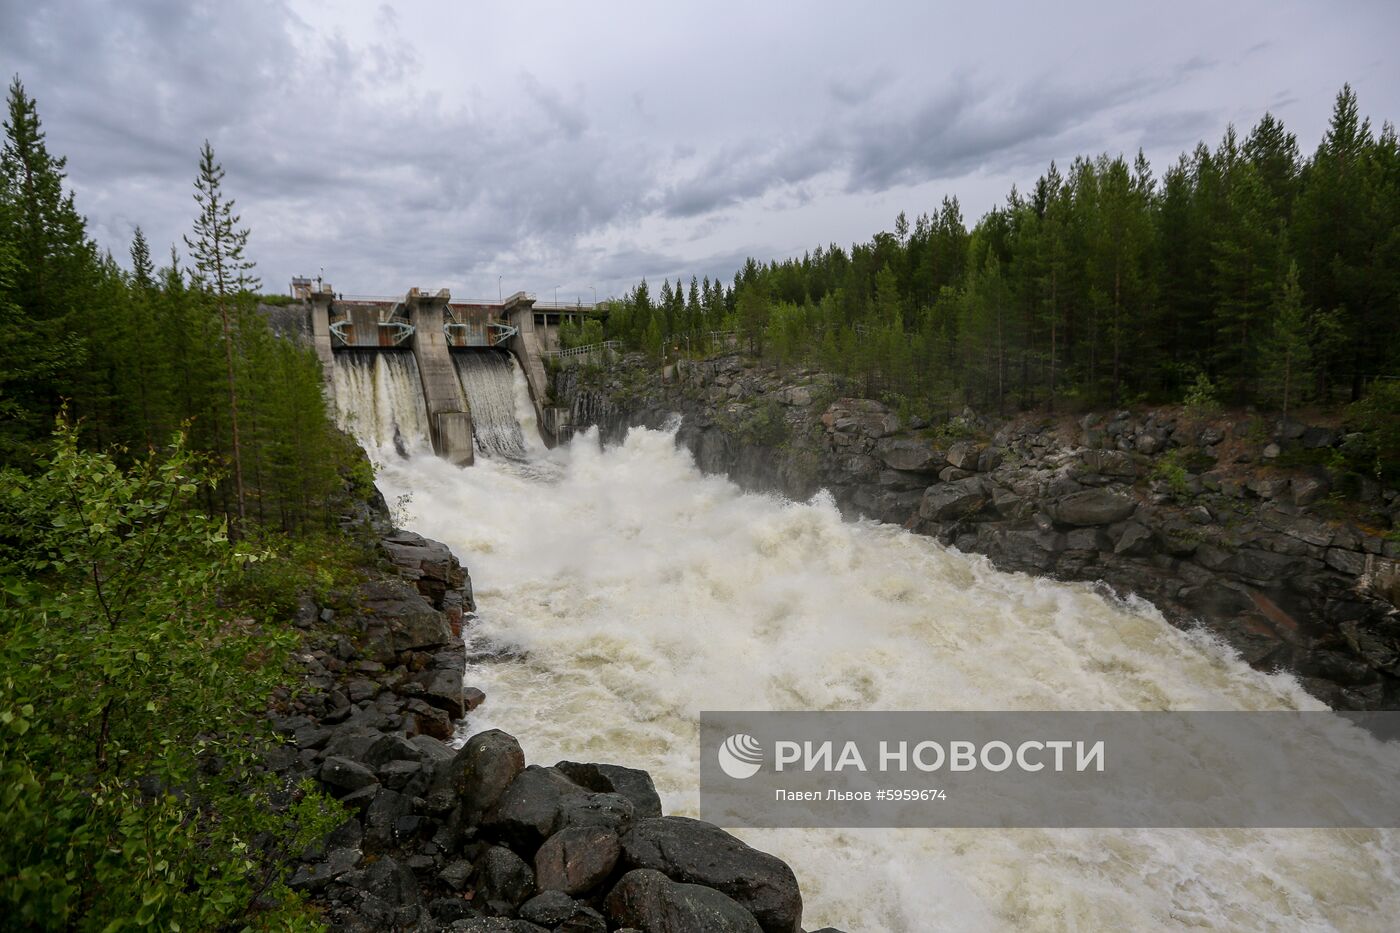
[1376, 419]
[1201, 398]
[760, 424]
[1171, 469]
[129, 719]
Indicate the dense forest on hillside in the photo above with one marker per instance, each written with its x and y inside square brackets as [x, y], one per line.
[169, 483]
[1244, 274]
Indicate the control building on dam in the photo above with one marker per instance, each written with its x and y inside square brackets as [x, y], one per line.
[434, 328]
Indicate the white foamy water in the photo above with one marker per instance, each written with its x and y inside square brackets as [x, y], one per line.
[639, 592]
[379, 394]
[493, 383]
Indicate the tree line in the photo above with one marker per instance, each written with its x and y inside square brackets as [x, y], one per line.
[1246, 273]
[170, 480]
[135, 354]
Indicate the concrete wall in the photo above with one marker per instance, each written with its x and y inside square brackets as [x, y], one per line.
[442, 392]
[519, 311]
[321, 338]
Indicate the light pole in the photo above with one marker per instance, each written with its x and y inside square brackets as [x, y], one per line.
[500, 296]
[556, 295]
[595, 295]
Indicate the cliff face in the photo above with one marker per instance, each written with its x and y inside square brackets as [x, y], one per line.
[1224, 521]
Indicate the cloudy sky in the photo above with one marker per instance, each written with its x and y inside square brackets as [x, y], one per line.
[585, 145]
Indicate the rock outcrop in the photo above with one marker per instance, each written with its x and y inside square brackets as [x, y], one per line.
[1227, 521]
[472, 838]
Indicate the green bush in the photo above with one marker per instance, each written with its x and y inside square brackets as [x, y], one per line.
[1376, 418]
[130, 715]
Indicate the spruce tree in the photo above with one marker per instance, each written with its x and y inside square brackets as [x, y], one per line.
[1287, 352]
[222, 271]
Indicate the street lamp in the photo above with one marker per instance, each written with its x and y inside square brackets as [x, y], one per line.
[595, 295]
[500, 295]
[556, 294]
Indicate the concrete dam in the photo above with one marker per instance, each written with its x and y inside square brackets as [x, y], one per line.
[424, 372]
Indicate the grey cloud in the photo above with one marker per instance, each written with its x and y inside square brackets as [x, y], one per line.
[345, 147]
[570, 119]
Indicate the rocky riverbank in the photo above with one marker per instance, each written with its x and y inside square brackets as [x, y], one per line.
[465, 837]
[1235, 521]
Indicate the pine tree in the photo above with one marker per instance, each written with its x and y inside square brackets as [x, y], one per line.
[143, 273]
[222, 271]
[1287, 352]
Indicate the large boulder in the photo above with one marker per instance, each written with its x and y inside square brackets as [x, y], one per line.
[443, 688]
[478, 774]
[958, 499]
[528, 812]
[694, 852]
[399, 614]
[342, 775]
[964, 455]
[906, 453]
[634, 784]
[576, 860]
[555, 910]
[502, 879]
[653, 903]
[1092, 507]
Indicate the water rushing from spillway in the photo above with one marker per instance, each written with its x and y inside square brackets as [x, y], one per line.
[492, 382]
[379, 397]
[634, 592]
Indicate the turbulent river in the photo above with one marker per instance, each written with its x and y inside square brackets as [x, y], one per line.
[620, 592]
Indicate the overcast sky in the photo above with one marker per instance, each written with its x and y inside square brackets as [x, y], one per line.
[586, 145]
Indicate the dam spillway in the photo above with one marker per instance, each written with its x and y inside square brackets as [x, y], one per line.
[492, 382]
[379, 399]
[442, 361]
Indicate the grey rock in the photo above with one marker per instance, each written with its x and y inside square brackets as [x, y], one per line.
[343, 775]
[455, 874]
[909, 454]
[1092, 507]
[576, 860]
[503, 879]
[1135, 540]
[653, 903]
[634, 784]
[478, 774]
[561, 913]
[313, 878]
[443, 689]
[610, 811]
[381, 818]
[1309, 489]
[693, 852]
[528, 812]
[388, 880]
[953, 500]
[964, 455]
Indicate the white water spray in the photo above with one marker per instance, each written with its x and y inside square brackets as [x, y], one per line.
[491, 381]
[378, 397]
[638, 592]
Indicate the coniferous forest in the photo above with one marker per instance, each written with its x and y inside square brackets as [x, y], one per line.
[170, 481]
[1245, 273]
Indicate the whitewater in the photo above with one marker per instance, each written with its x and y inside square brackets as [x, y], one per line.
[620, 592]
